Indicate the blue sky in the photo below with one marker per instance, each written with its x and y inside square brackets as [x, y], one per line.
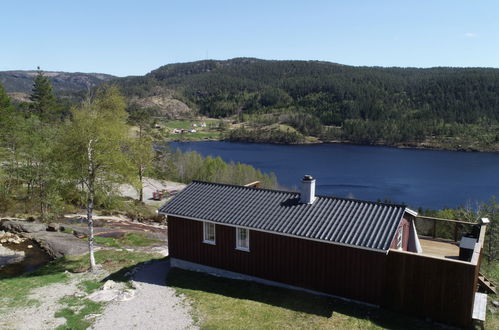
[135, 37]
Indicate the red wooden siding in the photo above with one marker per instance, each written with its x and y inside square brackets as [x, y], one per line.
[344, 271]
[412, 283]
[406, 224]
[429, 287]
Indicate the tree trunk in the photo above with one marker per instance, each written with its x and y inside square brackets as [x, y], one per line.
[141, 170]
[141, 190]
[90, 205]
[90, 208]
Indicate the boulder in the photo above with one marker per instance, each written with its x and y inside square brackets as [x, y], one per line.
[21, 226]
[53, 227]
[108, 285]
[126, 295]
[104, 295]
[58, 244]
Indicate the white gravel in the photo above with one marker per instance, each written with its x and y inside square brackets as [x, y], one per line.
[155, 306]
[45, 303]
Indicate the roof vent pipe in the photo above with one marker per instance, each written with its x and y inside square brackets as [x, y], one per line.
[307, 192]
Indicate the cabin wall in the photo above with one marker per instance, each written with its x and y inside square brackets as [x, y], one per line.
[440, 289]
[338, 270]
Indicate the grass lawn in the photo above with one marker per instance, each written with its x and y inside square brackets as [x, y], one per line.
[15, 291]
[181, 124]
[220, 303]
[129, 239]
[210, 132]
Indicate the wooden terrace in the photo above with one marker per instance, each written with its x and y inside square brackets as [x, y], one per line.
[440, 237]
[441, 248]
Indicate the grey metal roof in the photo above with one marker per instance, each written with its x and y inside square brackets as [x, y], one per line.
[339, 220]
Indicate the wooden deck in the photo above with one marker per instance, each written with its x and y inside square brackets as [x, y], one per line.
[439, 247]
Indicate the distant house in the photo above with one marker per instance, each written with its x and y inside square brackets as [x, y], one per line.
[203, 124]
[359, 250]
[176, 131]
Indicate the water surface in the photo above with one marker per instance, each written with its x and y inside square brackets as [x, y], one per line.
[35, 257]
[419, 178]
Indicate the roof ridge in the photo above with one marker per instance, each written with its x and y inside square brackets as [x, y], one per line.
[239, 186]
[298, 193]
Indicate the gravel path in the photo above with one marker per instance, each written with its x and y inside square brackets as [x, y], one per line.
[156, 306]
[40, 315]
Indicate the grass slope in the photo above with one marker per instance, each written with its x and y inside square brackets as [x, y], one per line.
[220, 303]
[129, 239]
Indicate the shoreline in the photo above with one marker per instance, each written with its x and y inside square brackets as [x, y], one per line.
[397, 146]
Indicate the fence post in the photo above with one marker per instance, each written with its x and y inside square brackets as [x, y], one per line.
[434, 228]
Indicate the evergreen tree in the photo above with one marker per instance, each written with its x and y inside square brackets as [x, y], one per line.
[44, 102]
[4, 98]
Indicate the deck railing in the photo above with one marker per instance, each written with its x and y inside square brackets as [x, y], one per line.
[442, 228]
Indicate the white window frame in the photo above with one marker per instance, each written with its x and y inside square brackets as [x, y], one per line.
[206, 238]
[400, 238]
[239, 246]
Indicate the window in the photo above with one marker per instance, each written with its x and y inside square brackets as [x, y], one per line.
[242, 239]
[208, 232]
[400, 235]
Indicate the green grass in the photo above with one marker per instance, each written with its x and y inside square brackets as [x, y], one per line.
[202, 133]
[491, 271]
[67, 230]
[129, 239]
[182, 124]
[14, 291]
[75, 312]
[232, 304]
[90, 286]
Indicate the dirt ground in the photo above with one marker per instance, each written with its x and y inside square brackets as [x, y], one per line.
[150, 186]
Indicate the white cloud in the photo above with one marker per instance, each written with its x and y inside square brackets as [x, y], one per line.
[470, 35]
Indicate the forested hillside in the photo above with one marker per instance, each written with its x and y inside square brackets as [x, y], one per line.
[448, 107]
[57, 158]
[19, 83]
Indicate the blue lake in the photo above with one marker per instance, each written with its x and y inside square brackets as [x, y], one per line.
[419, 178]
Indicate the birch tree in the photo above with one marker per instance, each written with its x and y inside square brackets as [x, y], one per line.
[141, 155]
[94, 149]
[141, 148]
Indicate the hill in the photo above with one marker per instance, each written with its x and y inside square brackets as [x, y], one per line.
[291, 101]
[456, 108]
[19, 83]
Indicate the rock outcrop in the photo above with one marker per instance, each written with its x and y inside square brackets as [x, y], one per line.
[21, 226]
[8, 237]
[59, 244]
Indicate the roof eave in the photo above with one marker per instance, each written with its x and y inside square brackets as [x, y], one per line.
[411, 212]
